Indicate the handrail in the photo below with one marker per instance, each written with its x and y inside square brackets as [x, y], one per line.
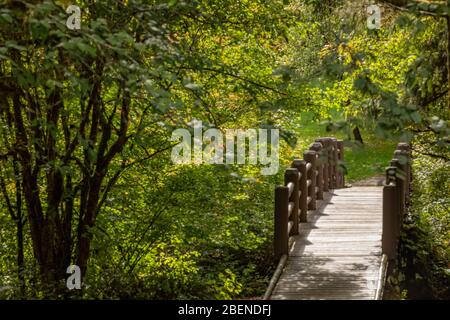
[396, 192]
[291, 206]
[304, 183]
[396, 198]
[291, 187]
[320, 171]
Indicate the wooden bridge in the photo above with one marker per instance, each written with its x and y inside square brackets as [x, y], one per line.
[332, 241]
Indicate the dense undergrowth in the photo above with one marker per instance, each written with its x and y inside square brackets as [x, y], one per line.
[423, 269]
[181, 221]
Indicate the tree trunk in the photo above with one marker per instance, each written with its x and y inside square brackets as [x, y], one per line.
[19, 225]
[357, 135]
[448, 56]
[20, 255]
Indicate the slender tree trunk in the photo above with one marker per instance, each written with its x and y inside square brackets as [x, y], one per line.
[19, 224]
[88, 221]
[448, 55]
[357, 135]
[20, 256]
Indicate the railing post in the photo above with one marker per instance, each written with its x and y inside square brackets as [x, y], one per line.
[328, 148]
[317, 146]
[334, 162]
[340, 146]
[391, 208]
[325, 159]
[291, 175]
[281, 237]
[400, 182]
[395, 198]
[310, 157]
[405, 150]
[389, 214]
[300, 165]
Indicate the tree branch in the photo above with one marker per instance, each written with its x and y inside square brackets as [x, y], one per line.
[402, 6]
[226, 73]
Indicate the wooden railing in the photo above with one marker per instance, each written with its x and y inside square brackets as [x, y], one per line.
[318, 172]
[395, 198]
[304, 183]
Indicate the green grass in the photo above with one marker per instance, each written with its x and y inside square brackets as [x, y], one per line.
[369, 160]
[362, 162]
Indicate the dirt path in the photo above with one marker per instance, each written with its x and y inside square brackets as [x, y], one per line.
[372, 181]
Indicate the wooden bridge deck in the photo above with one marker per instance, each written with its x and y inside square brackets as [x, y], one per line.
[337, 254]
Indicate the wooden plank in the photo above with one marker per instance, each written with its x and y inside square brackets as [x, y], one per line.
[326, 287]
[300, 261]
[305, 276]
[345, 218]
[357, 270]
[334, 258]
[368, 246]
[340, 244]
[340, 230]
[320, 223]
[327, 294]
[333, 266]
[338, 251]
[374, 252]
[319, 290]
[340, 239]
[328, 230]
[349, 254]
[357, 236]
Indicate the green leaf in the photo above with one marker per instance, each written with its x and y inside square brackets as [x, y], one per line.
[14, 45]
[192, 86]
[6, 17]
[39, 29]
[433, 7]
[85, 48]
[403, 21]
[415, 116]
[360, 84]
[423, 6]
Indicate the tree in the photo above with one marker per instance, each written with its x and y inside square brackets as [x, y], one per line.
[80, 107]
[71, 102]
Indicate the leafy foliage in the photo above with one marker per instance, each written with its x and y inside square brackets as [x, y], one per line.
[86, 118]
